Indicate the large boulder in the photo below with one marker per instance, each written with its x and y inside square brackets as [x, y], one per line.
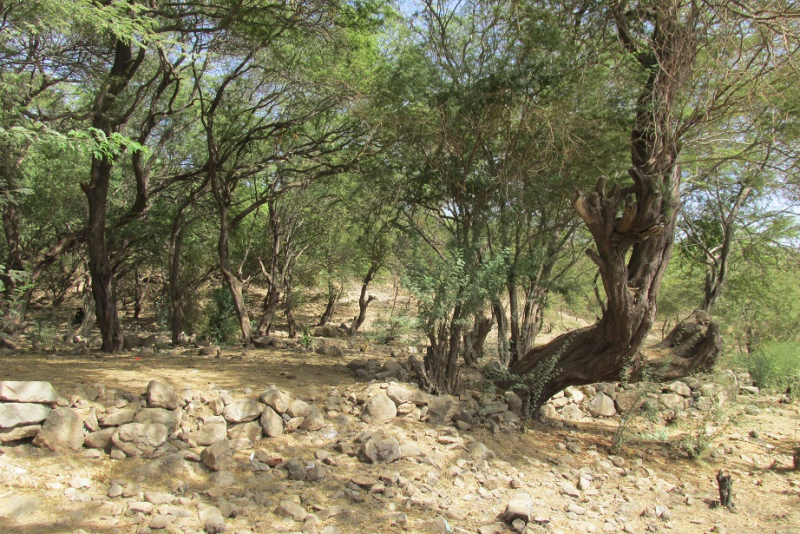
[602, 406]
[399, 394]
[218, 456]
[242, 411]
[271, 423]
[161, 396]
[28, 391]
[298, 408]
[170, 418]
[62, 430]
[276, 400]
[136, 439]
[442, 410]
[379, 448]
[380, 409]
[212, 429]
[20, 414]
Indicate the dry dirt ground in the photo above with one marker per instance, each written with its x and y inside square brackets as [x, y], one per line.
[627, 492]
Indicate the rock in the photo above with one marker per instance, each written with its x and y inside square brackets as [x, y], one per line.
[215, 524]
[409, 450]
[262, 342]
[295, 470]
[574, 394]
[159, 522]
[100, 439]
[292, 509]
[271, 423]
[242, 411]
[316, 472]
[572, 412]
[628, 400]
[380, 409]
[327, 331]
[480, 451]
[569, 489]
[218, 456]
[438, 525]
[514, 402]
[314, 421]
[298, 408]
[548, 411]
[135, 439]
[679, 388]
[29, 391]
[494, 528]
[519, 506]
[222, 479]
[169, 418]
[671, 401]
[172, 465]
[19, 414]
[62, 430]
[442, 410]
[399, 394]
[750, 390]
[602, 406]
[161, 396]
[275, 400]
[213, 429]
[19, 432]
[117, 418]
[245, 431]
[332, 351]
[379, 448]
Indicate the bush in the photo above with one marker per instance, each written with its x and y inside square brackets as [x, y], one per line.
[775, 365]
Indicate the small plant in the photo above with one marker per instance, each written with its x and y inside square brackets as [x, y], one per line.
[306, 340]
[704, 431]
[44, 334]
[391, 328]
[222, 324]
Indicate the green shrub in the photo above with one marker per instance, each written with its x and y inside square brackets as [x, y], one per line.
[775, 365]
[223, 326]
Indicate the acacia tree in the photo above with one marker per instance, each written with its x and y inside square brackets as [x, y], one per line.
[698, 64]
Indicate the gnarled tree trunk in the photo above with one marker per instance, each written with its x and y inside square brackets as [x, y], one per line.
[633, 229]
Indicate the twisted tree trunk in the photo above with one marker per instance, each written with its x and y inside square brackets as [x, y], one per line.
[633, 229]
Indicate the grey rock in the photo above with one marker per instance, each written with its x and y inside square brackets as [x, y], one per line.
[519, 506]
[514, 402]
[169, 418]
[671, 400]
[172, 465]
[136, 439]
[62, 430]
[480, 451]
[380, 409]
[161, 396]
[245, 431]
[679, 388]
[215, 525]
[17, 414]
[27, 391]
[572, 412]
[379, 448]
[100, 439]
[548, 411]
[218, 456]
[602, 406]
[242, 411]
[332, 351]
[117, 418]
[19, 432]
[292, 509]
[275, 400]
[314, 421]
[212, 430]
[316, 472]
[442, 410]
[271, 423]
[295, 470]
[298, 408]
[222, 479]
[399, 394]
[409, 450]
[327, 331]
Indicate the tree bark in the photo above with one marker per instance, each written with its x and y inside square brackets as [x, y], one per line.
[363, 299]
[633, 229]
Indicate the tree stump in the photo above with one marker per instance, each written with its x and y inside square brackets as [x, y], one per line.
[725, 490]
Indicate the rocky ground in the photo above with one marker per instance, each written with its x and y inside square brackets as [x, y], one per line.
[282, 439]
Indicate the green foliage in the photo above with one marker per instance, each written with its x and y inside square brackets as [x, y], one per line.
[775, 365]
[704, 431]
[222, 324]
[395, 327]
